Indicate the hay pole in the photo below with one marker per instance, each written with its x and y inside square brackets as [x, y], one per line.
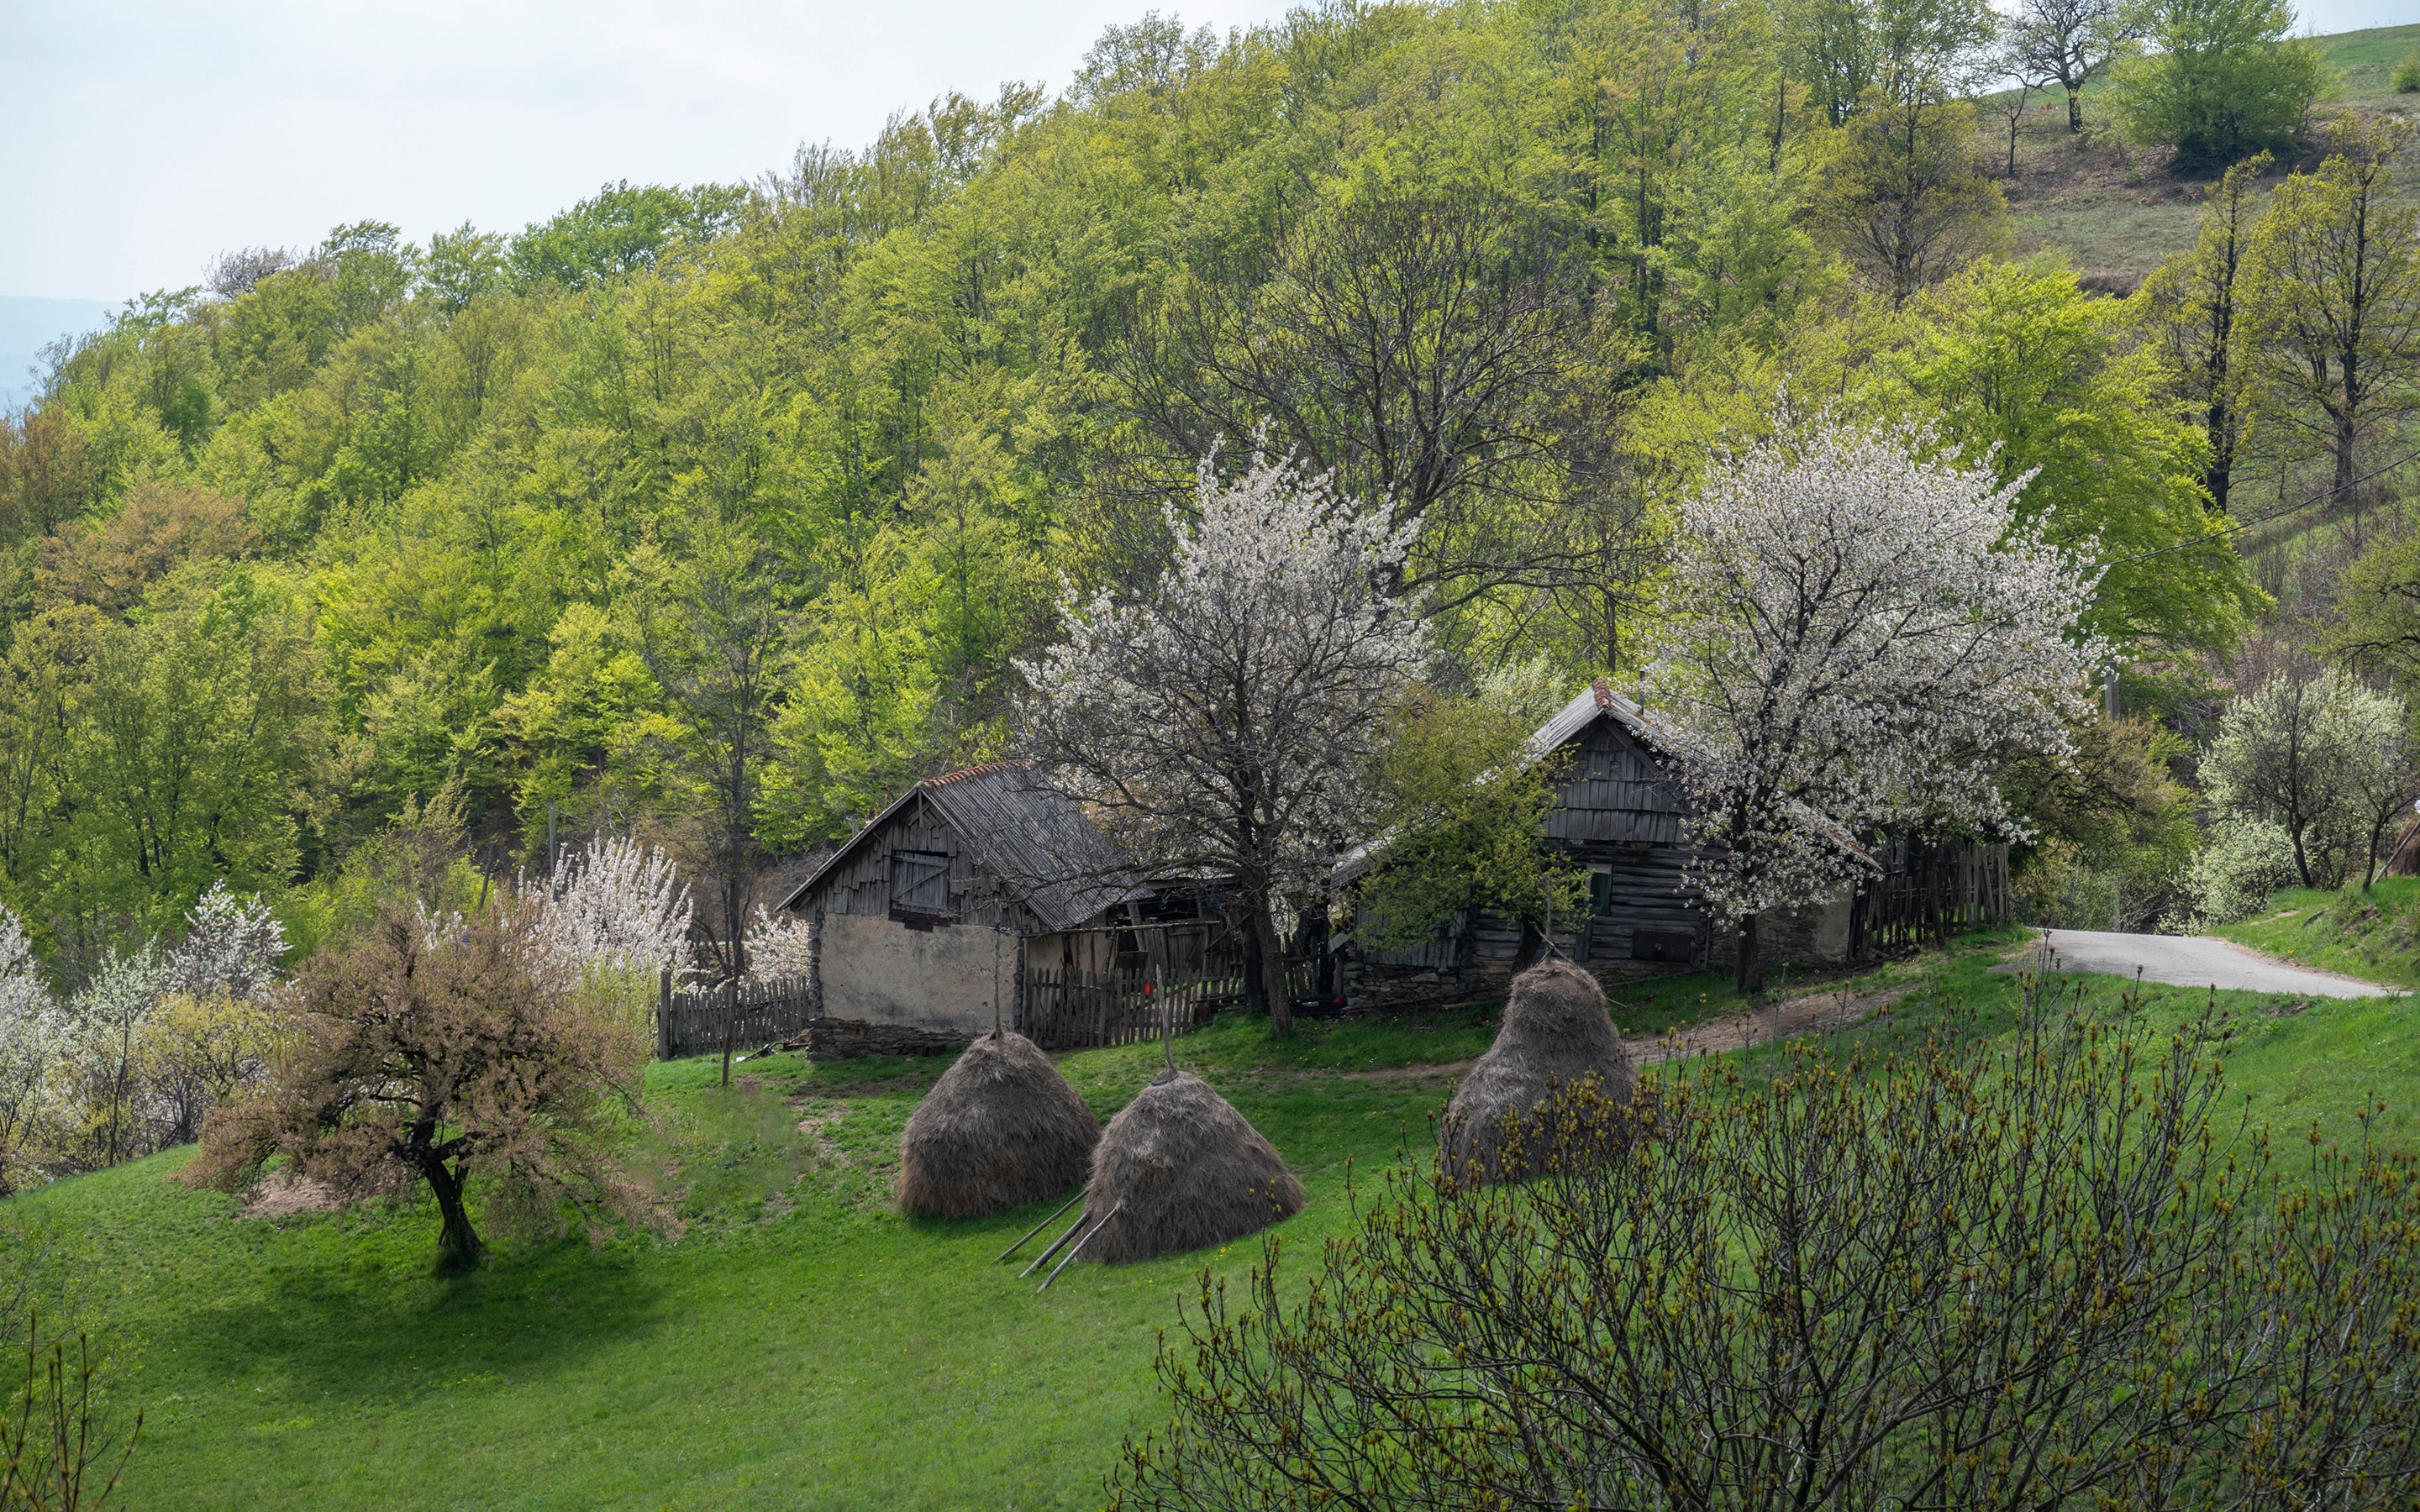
[1043, 1225]
[1043, 1259]
[1088, 1237]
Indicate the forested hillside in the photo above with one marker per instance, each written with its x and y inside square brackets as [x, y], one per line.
[718, 513]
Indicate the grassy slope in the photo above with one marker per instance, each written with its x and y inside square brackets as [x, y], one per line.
[798, 1344]
[2115, 213]
[2373, 934]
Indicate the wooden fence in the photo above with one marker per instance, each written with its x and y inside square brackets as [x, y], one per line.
[699, 1020]
[1078, 1010]
[1926, 891]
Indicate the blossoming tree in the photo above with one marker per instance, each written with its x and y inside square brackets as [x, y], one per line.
[1857, 638]
[1222, 725]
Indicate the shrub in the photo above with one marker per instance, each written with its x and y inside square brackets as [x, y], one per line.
[2406, 78]
[57, 1444]
[2225, 82]
[2039, 1271]
[2246, 861]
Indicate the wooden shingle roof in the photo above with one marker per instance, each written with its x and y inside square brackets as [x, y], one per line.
[1040, 845]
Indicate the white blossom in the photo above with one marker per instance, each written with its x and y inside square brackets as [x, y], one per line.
[777, 944]
[231, 945]
[2325, 759]
[1222, 724]
[1858, 637]
[612, 906]
[32, 1037]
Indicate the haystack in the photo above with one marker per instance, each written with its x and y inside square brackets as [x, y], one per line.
[1179, 1168]
[1000, 1129]
[1555, 1036]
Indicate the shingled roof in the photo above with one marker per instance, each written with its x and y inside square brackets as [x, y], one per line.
[1046, 852]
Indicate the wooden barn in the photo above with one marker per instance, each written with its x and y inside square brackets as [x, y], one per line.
[936, 913]
[1620, 813]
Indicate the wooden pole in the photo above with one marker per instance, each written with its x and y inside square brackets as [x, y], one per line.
[1089, 1236]
[730, 1022]
[664, 1013]
[1043, 1225]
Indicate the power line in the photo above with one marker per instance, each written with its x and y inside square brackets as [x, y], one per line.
[2233, 526]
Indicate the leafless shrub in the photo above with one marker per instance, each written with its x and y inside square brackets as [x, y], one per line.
[2041, 1271]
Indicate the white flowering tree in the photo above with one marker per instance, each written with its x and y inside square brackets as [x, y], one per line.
[1858, 639]
[107, 1020]
[232, 945]
[612, 906]
[2326, 760]
[1222, 725]
[778, 945]
[32, 1038]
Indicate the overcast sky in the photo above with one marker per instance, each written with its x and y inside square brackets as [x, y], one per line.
[144, 137]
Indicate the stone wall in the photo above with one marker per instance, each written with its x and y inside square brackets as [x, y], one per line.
[855, 1039]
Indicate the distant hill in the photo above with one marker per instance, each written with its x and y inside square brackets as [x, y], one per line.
[27, 325]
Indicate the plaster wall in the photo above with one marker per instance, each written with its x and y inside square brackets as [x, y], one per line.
[883, 972]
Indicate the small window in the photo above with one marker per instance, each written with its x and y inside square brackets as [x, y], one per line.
[919, 880]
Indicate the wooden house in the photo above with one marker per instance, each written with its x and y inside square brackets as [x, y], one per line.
[935, 915]
[1620, 812]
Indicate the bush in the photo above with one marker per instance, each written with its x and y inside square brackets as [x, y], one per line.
[2038, 1270]
[2406, 75]
[2246, 863]
[2225, 82]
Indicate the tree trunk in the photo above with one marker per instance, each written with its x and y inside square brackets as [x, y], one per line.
[457, 1243]
[2075, 109]
[1751, 970]
[1264, 932]
[2302, 861]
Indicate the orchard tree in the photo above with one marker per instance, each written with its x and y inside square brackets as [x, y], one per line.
[1224, 723]
[32, 1036]
[1858, 639]
[615, 906]
[437, 1055]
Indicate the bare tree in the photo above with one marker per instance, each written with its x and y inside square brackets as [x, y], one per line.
[1223, 726]
[2068, 43]
[1858, 640]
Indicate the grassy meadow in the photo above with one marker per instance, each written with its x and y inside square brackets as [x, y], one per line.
[796, 1343]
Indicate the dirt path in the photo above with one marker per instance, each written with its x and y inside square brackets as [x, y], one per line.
[1808, 1013]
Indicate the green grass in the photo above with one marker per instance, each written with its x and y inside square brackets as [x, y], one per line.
[2374, 936]
[798, 1344]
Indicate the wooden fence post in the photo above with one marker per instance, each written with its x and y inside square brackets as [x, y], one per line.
[664, 1014]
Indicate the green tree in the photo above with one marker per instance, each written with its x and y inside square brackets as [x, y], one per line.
[2021, 367]
[2224, 81]
[2333, 304]
[1904, 195]
[621, 230]
[2194, 301]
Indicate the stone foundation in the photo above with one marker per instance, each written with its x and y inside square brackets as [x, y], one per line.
[856, 1039]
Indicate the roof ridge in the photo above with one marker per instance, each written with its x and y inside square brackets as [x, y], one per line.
[979, 769]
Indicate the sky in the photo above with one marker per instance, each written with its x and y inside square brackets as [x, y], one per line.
[146, 137]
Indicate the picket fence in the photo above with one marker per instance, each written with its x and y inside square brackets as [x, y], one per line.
[701, 1018]
[1081, 1009]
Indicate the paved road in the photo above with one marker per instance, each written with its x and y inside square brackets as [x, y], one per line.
[2195, 961]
